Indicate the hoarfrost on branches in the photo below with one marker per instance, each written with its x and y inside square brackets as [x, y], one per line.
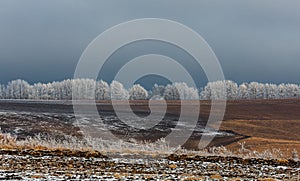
[89, 89]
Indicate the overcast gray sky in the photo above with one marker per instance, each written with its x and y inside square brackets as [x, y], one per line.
[254, 40]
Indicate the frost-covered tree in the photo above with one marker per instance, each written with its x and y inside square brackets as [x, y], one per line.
[260, 91]
[256, 90]
[66, 89]
[117, 91]
[45, 91]
[157, 92]
[102, 90]
[56, 90]
[2, 91]
[243, 91]
[137, 92]
[291, 91]
[281, 91]
[83, 89]
[193, 94]
[186, 92]
[252, 90]
[231, 90]
[51, 92]
[271, 91]
[214, 91]
[87, 88]
[171, 93]
[38, 91]
[78, 89]
[205, 94]
[17, 89]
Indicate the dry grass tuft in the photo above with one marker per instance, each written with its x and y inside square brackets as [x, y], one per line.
[7, 140]
[91, 147]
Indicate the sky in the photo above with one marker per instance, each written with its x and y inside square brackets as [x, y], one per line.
[254, 40]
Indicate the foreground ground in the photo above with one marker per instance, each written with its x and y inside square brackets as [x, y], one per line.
[66, 165]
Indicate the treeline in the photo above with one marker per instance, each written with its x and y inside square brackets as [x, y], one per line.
[20, 89]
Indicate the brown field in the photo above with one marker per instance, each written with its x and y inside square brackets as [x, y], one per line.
[261, 124]
[280, 109]
[268, 124]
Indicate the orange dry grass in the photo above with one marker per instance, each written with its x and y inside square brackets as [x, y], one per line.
[265, 135]
[285, 147]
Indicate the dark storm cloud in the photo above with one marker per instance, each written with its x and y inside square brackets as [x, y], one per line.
[255, 40]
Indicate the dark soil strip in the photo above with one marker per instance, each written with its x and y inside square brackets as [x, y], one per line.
[56, 152]
[237, 160]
